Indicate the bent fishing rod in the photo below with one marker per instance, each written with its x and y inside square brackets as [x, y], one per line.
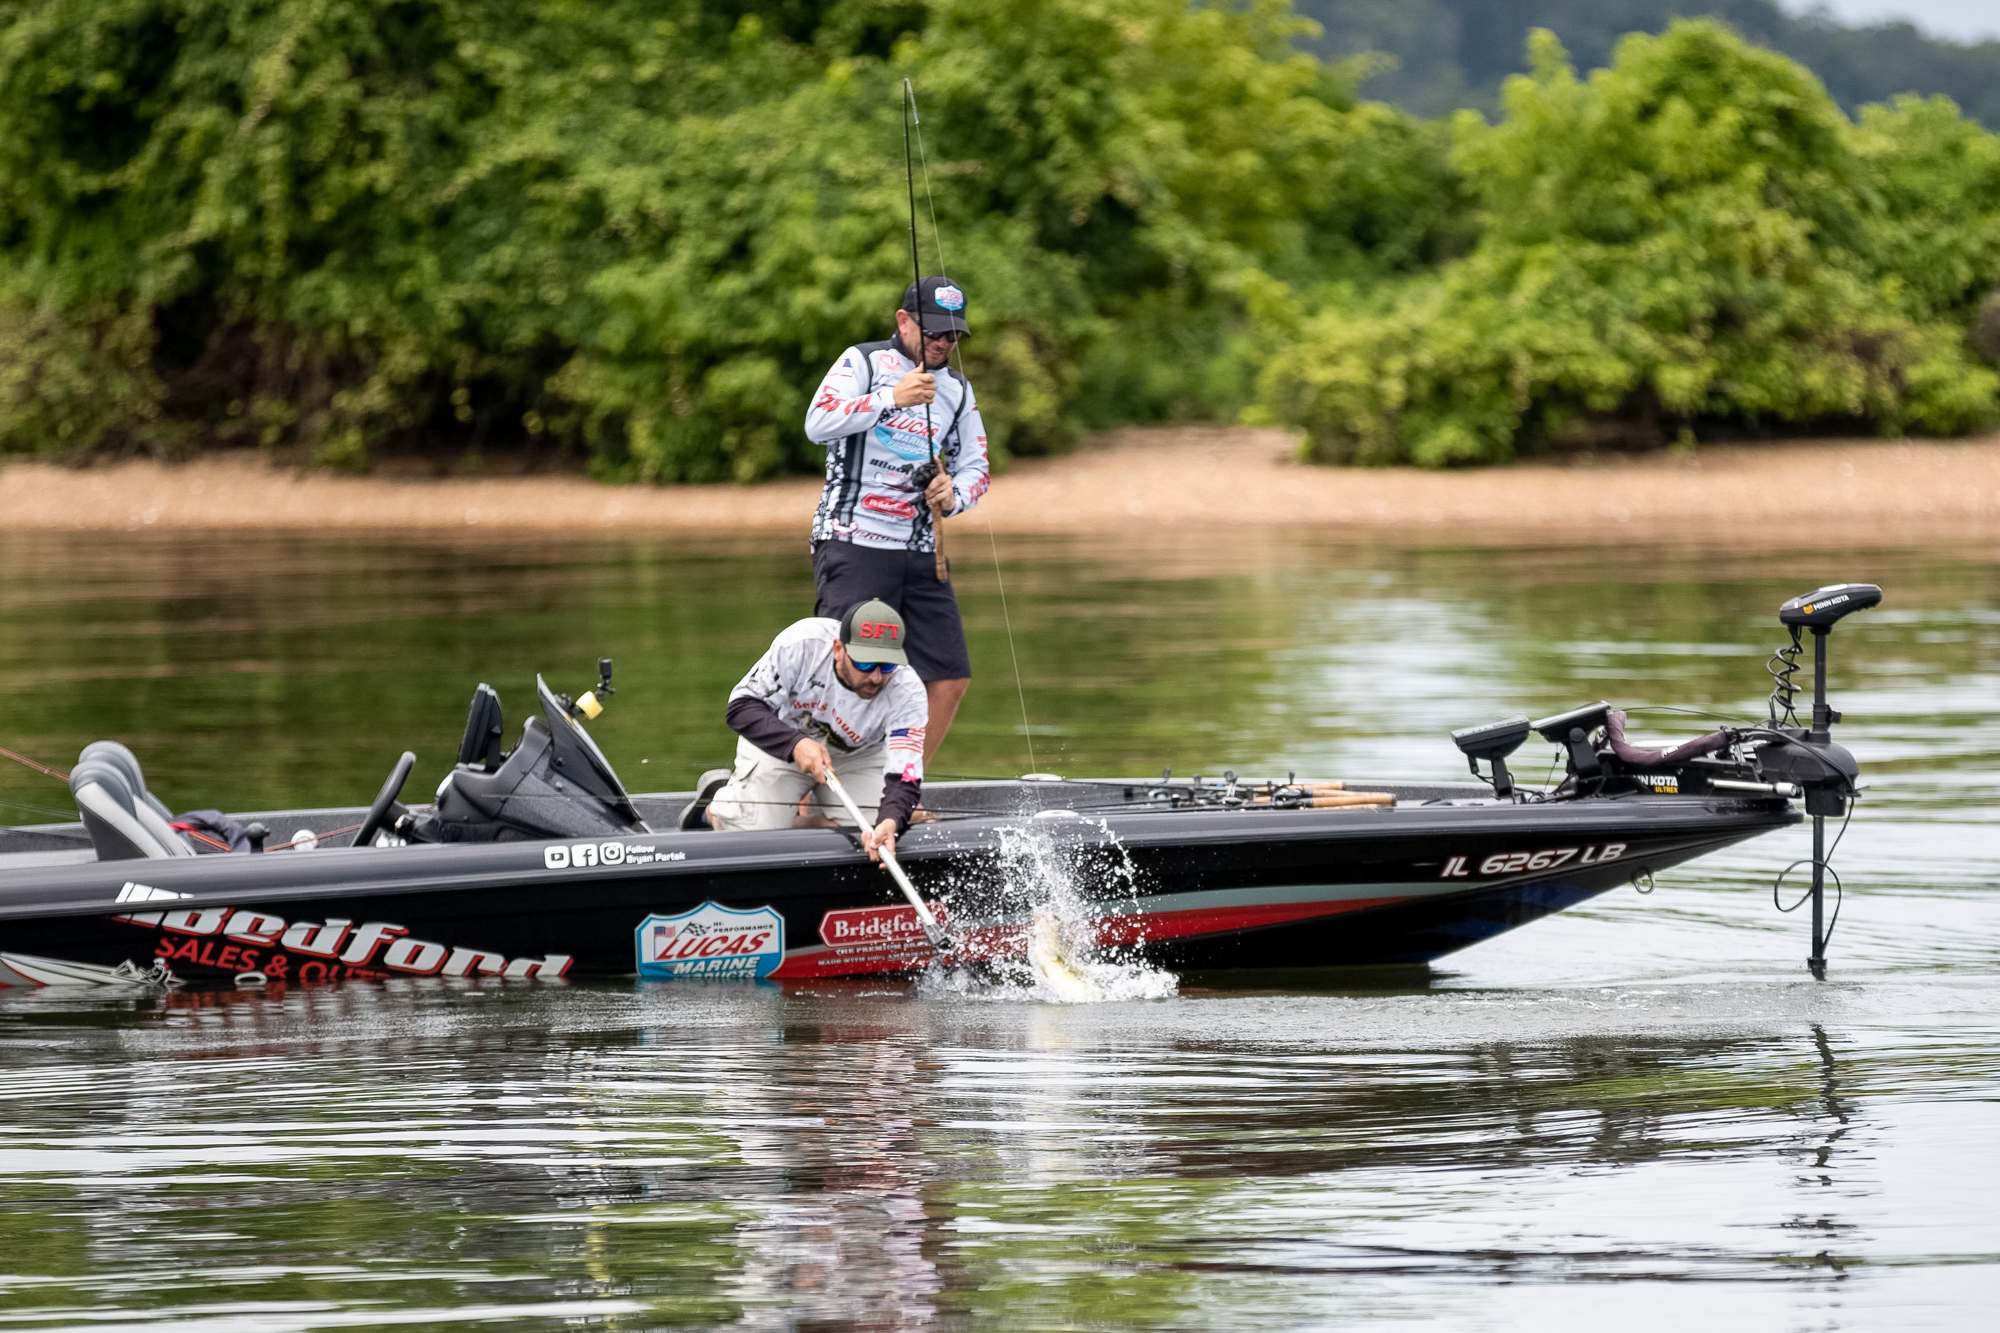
[933, 932]
[944, 270]
[917, 286]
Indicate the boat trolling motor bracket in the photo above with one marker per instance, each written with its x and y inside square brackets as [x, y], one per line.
[1782, 758]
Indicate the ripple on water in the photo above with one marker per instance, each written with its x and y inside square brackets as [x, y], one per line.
[1638, 1113]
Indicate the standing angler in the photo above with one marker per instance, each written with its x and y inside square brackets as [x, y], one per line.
[875, 534]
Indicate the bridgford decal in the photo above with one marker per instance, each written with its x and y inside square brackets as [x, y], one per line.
[862, 940]
[250, 939]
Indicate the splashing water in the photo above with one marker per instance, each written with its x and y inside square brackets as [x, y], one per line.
[1058, 895]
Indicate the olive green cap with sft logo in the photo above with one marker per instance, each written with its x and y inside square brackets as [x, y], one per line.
[873, 632]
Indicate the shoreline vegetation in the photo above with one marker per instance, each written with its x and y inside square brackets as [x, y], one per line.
[638, 232]
[1886, 492]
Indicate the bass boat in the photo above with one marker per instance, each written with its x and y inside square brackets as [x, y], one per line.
[535, 863]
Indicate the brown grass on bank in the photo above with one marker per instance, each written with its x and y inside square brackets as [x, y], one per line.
[1897, 490]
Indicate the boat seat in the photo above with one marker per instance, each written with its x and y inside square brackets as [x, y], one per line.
[127, 763]
[713, 781]
[124, 821]
[484, 730]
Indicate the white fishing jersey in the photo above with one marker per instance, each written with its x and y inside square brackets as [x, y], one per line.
[795, 679]
[872, 447]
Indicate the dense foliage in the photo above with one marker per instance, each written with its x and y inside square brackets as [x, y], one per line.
[1694, 233]
[641, 229]
[1455, 53]
[649, 225]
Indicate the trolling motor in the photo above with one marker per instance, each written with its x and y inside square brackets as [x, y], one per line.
[1807, 755]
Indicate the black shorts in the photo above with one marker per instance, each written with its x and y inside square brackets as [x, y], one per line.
[907, 580]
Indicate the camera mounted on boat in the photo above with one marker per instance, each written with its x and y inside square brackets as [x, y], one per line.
[588, 705]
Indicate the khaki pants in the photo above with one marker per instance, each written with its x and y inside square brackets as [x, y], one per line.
[764, 791]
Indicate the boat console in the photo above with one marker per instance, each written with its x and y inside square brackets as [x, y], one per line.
[555, 783]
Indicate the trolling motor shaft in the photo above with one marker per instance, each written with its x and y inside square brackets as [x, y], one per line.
[1826, 771]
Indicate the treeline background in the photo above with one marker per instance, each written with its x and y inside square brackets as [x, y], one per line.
[637, 231]
[1455, 53]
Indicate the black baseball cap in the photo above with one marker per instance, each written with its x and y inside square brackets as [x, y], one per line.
[943, 304]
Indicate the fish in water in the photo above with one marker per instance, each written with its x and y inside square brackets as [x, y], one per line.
[1048, 955]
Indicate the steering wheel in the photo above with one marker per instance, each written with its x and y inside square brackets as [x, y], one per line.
[378, 813]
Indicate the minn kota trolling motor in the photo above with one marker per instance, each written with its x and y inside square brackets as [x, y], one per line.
[1781, 758]
[1807, 755]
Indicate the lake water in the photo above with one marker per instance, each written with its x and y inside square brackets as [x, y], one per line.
[1641, 1112]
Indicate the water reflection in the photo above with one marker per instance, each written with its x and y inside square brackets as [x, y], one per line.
[1639, 1111]
[714, 1155]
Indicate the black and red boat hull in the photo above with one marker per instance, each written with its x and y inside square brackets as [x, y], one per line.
[1189, 889]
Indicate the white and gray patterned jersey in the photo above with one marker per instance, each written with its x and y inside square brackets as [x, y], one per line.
[796, 680]
[872, 447]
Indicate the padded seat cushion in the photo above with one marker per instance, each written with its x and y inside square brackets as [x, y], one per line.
[123, 824]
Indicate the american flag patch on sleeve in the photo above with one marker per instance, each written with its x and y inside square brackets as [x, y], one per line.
[906, 754]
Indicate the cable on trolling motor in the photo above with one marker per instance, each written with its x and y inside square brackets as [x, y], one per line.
[1826, 866]
[1782, 665]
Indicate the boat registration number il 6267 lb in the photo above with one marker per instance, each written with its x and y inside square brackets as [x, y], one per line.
[1548, 858]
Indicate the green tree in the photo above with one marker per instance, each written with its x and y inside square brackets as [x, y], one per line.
[1456, 53]
[644, 227]
[1695, 232]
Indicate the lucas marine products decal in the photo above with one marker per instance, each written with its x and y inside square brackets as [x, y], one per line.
[712, 941]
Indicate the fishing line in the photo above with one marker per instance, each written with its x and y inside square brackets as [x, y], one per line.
[37, 809]
[1701, 713]
[944, 271]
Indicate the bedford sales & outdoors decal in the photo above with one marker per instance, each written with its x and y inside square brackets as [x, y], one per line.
[712, 941]
[250, 939]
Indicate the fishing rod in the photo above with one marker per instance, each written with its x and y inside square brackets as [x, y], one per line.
[933, 932]
[944, 270]
[917, 286]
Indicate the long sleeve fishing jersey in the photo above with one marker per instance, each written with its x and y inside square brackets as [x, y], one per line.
[873, 447]
[794, 692]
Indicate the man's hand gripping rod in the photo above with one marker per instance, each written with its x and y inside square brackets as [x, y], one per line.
[932, 931]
